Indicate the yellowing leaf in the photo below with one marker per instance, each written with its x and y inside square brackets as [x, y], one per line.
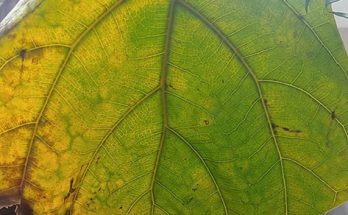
[174, 107]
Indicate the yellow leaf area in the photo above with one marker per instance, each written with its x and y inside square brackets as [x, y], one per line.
[174, 107]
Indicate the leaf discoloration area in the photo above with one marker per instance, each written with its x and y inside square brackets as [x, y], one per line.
[173, 107]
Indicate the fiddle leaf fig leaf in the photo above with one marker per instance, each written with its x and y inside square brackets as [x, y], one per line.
[341, 14]
[328, 2]
[173, 107]
[307, 5]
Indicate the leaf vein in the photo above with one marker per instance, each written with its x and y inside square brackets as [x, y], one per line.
[163, 96]
[312, 97]
[107, 135]
[53, 86]
[205, 166]
[297, 14]
[245, 64]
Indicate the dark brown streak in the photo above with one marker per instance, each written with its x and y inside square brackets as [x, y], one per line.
[22, 54]
[71, 189]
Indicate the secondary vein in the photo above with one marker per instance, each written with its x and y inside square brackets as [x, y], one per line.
[51, 90]
[250, 71]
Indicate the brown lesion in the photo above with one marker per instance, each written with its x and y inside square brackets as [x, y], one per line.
[291, 130]
[8, 210]
[74, 183]
[24, 208]
[296, 131]
[11, 173]
[14, 197]
[23, 55]
[265, 101]
[171, 86]
[11, 36]
[274, 126]
[9, 197]
[71, 189]
[97, 160]
[333, 115]
[284, 128]
[39, 190]
[35, 56]
[35, 60]
[67, 212]
[11, 200]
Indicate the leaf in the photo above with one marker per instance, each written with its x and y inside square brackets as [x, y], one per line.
[173, 107]
[341, 14]
[306, 5]
[328, 2]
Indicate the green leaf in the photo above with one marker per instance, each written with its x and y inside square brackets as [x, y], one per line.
[173, 107]
[306, 5]
[328, 2]
[341, 14]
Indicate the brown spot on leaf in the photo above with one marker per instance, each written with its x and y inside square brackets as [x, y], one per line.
[171, 86]
[66, 197]
[206, 122]
[296, 131]
[71, 189]
[35, 60]
[301, 17]
[12, 36]
[9, 197]
[22, 208]
[23, 53]
[42, 121]
[274, 126]
[11, 210]
[333, 115]
[266, 102]
[291, 130]
[25, 209]
[286, 129]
